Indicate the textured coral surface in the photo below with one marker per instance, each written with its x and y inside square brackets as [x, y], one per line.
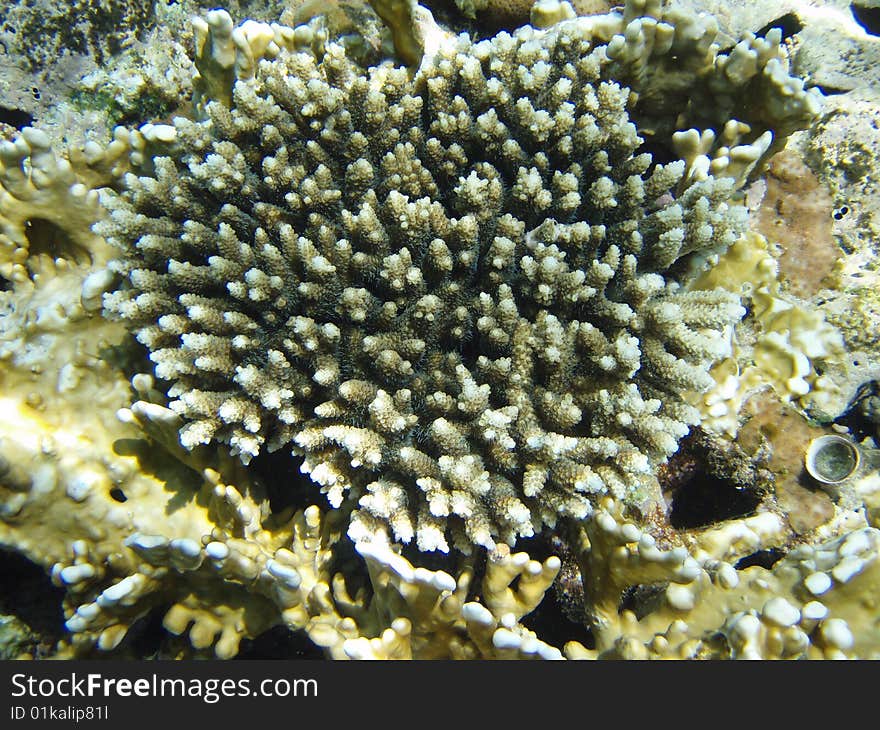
[447, 298]
[369, 361]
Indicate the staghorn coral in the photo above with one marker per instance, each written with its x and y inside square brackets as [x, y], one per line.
[451, 293]
[103, 498]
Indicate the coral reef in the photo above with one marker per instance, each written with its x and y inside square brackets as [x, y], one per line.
[801, 607]
[480, 306]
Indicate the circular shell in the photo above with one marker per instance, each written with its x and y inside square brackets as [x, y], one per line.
[831, 459]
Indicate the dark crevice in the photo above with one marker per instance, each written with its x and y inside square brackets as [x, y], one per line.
[788, 24]
[661, 154]
[27, 593]
[868, 18]
[561, 615]
[709, 480]
[551, 623]
[862, 415]
[15, 117]
[431, 560]
[144, 638]
[705, 499]
[286, 486]
[279, 643]
[643, 599]
[350, 565]
[45, 237]
[830, 91]
[764, 558]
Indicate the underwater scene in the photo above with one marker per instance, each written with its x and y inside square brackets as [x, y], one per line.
[469, 329]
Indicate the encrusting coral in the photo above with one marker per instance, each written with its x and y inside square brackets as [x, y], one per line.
[788, 346]
[451, 293]
[42, 198]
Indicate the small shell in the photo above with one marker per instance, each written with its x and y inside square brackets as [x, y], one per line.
[831, 459]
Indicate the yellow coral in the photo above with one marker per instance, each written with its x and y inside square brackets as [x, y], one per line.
[43, 200]
[785, 343]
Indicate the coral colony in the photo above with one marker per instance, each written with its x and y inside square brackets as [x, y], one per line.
[467, 303]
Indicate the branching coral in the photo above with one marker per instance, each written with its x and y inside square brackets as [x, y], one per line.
[450, 293]
[417, 613]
